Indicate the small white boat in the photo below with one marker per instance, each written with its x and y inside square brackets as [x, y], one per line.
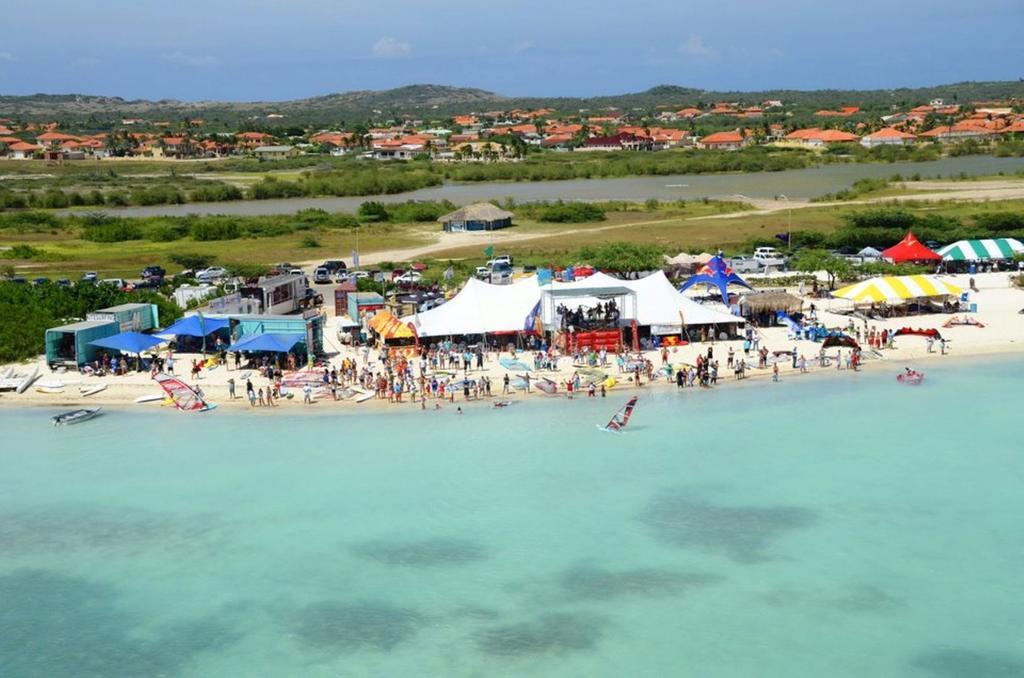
[364, 397]
[93, 390]
[76, 416]
[50, 383]
[150, 398]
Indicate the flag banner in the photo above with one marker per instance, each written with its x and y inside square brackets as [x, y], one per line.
[489, 251]
[355, 258]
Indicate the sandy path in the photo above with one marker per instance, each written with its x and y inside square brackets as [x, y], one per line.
[447, 241]
[930, 191]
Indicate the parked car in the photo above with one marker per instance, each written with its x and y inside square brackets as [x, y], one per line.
[501, 274]
[322, 275]
[769, 257]
[359, 274]
[40, 281]
[409, 277]
[334, 265]
[90, 276]
[148, 284]
[211, 274]
[119, 283]
[63, 282]
[153, 272]
[742, 264]
[500, 259]
[482, 272]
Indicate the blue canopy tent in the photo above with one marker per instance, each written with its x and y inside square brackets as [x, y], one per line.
[194, 326]
[274, 343]
[715, 273]
[129, 342]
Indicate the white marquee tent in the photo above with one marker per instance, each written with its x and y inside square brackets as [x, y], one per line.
[480, 307]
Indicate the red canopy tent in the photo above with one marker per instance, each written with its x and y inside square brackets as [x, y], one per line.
[910, 249]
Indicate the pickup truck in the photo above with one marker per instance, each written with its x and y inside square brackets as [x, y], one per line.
[742, 264]
[769, 257]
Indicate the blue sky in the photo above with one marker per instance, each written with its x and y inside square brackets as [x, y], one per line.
[282, 49]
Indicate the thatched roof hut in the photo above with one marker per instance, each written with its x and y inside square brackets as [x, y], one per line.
[775, 300]
[481, 216]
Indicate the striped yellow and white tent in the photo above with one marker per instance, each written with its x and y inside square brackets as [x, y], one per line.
[897, 288]
[980, 250]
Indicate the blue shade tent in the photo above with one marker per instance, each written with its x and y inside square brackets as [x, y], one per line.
[194, 326]
[129, 342]
[715, 273]
[275, 343]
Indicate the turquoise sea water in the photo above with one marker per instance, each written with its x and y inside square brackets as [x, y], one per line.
[831, 527]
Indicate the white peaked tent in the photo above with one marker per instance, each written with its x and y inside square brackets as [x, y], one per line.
[480, 308]
[659, 303]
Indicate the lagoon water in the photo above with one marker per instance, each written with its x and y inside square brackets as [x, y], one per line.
[840, 526]
[795, 184]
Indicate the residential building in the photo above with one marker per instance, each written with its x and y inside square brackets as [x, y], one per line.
[887, 136]
[725, 141]
[275, 152]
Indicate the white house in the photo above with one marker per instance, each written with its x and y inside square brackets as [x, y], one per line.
[887, 136]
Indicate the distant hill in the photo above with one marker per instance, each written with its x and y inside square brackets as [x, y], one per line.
[440, 101]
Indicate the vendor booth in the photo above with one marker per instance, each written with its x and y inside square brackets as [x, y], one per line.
[70, 345]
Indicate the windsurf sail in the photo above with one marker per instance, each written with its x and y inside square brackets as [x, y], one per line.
[546, 385]
[184, 396]
[621, 418]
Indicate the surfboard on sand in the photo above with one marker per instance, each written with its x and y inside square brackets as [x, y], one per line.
[153, 397]
[93, 390]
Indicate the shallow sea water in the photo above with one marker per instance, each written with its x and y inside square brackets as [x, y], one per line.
[831, 527]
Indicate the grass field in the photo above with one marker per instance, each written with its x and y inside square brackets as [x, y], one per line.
[693, 227]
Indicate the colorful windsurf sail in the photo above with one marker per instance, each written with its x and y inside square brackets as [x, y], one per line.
[621, 418]
[546, 385]
[184, 396]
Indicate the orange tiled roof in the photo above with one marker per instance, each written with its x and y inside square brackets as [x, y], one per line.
[889, 133]
[733, 137]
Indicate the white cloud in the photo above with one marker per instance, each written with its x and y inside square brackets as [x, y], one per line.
[694, 46]
[6, 56]
[192, 60]
[86, 61]
[391, 48]
[524, 46]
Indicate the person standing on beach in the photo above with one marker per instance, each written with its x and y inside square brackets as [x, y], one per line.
[231, 388]
[729, 359]
[250, 392]
[307, 394]
[775, 372]
[794, 357]
[260, 397]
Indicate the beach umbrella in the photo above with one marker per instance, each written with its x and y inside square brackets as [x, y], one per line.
[129, 342]
[978, 250]
[898, 288]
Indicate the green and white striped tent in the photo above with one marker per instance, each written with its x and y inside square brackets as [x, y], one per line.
[978, 250]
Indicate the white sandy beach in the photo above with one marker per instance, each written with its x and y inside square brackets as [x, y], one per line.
[999, 307]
